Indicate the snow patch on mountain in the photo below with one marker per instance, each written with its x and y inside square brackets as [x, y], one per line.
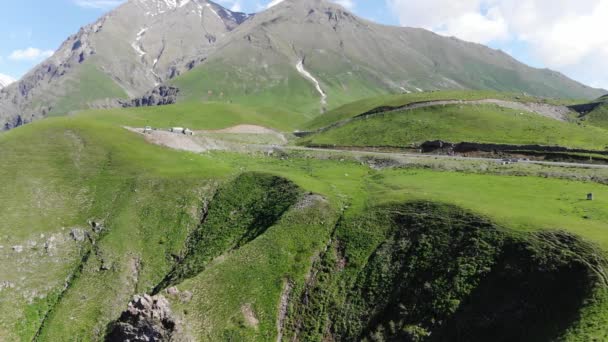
[214, 12]
[137, 43]
[309, 76]
[156, 7]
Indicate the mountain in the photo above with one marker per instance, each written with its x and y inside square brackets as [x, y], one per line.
[124, 54]
[352, 58]
[5, 81]
[305, 56]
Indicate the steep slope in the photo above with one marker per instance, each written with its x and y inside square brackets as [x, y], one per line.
[428, 272]
[315, 55]
[124, 54]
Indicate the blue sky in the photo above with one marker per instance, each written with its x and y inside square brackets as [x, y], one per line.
[560, 34]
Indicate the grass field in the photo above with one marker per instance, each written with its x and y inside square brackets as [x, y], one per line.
[461, 123]
[87, 167]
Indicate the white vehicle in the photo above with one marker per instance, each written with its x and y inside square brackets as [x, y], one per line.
[147, 130]
[181, 130]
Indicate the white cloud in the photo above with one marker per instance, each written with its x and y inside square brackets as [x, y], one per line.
[350, 4]
[274, 3]
[233, 5]
[463, 18]
[5, 80]
[236, 7]
[30, 54]
[346, 3]
[565, 35]
[98, 4]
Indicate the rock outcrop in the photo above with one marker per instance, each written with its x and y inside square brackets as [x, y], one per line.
[159, 96]
[147, 318]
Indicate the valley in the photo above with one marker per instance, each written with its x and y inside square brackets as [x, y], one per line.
[151, 199]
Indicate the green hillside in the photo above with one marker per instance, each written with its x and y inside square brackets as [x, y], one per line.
[238, 253]
[199, 115]
[280, 87]
[598, 115]
[88, 84]
[353, 109]
[479, 123]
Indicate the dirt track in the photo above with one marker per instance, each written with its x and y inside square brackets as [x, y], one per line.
[200, 144]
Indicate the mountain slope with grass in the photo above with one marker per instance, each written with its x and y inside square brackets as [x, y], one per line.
[301, 56]
[349, 58]
[249, 247]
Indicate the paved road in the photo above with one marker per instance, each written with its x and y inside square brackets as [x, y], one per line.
[438, 156]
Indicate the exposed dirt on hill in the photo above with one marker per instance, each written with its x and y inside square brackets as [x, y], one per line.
[249, 316]
[237, 138]
[195, 143]
[283, 309]
[242, 129]
[246, 129]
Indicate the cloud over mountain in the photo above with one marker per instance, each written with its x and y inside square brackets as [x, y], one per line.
[561, 34]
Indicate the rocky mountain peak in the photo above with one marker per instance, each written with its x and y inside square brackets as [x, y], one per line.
[319, 11]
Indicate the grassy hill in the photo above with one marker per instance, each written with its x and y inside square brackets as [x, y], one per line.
[598, 115]
[199, 115]
[461, 123]
[353, 109]
[243, 268]
[518, 120]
